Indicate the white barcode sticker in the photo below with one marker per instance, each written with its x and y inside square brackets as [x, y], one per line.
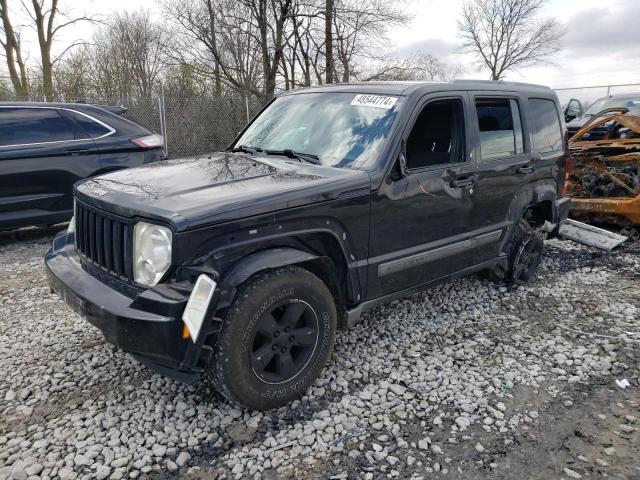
[377, 101]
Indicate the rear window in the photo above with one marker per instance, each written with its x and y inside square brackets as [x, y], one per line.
[547, 132]
[92, 128]
[23, 126]
[500, 128]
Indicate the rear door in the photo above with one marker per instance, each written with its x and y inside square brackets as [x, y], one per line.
[502, 152]
[42, 154]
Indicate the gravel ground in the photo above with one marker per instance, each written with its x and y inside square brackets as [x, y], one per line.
[468, 380]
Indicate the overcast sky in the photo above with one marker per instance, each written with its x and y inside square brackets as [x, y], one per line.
[602, 45]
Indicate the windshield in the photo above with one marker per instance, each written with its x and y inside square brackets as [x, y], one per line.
[633, 104]
[345, 130]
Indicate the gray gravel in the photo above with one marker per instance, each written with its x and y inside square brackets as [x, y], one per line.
[422, 385]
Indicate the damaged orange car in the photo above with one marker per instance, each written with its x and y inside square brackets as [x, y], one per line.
[605, 176]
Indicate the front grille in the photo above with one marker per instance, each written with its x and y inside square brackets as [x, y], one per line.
[104, 240]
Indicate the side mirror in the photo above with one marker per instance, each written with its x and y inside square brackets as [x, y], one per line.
[402, 159]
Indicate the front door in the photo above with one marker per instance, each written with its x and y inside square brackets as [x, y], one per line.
[419, 219]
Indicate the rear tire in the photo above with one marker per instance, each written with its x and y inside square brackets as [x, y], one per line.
[275, 339]
[525, 252]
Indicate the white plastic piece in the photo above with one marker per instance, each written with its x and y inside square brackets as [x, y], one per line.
[590, 235]
[548, 226]
[197, 305]
[623, 384]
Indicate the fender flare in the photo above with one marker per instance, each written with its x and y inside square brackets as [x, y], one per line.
[529, 195]
[263, 260]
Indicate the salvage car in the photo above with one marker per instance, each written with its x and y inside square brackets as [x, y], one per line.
[46, 147]
[631, 101]
[241, 265]
[604, 181]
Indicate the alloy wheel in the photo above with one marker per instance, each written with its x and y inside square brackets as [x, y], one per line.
[527, 259]
[284, 340]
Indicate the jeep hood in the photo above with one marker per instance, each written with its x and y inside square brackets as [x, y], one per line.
[198, 191]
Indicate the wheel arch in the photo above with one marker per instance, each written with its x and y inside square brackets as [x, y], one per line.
[326, 260]
[534, 202]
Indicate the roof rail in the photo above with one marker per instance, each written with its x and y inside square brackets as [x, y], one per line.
[501, 82]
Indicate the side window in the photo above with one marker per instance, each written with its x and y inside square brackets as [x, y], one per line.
[500, 127]
[437, 138]
[92, 128]
[9, 118]
[547, 135]
[20, 126]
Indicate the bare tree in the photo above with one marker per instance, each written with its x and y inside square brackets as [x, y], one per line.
[125, 59]
[270, 17]
[413, 68]
[360, 28]
[72, 77]
[508, 34]
[218, 38]
[13, 52]
[141, 45]
[328, 40]
[49, 20]
[5, 89]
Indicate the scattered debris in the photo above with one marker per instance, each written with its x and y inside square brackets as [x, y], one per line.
[623, 384]
[590, 235]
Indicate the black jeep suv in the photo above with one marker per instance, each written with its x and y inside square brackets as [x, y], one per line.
[241, 265]
[46, 147]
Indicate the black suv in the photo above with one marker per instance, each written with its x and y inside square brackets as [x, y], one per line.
[241, 265]
[46, 147]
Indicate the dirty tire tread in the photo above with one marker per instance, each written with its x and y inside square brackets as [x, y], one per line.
[522, 231]
[228, 340]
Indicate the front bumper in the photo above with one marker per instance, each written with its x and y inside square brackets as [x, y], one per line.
[147, 324]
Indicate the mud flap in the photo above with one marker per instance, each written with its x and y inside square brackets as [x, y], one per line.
[590, 235]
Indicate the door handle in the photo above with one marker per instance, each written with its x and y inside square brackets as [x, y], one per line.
[463, 182]
[525, 169]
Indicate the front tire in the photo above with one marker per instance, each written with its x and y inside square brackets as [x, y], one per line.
[275, 339]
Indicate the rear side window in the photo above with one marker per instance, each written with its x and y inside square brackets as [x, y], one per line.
[23, 126]
[92, 128]
[500, 128]
[547, 134]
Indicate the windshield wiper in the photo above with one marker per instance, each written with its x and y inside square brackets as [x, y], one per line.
[246, 149]
[301, 157]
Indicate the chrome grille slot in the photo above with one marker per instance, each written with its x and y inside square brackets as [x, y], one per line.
[104, 240]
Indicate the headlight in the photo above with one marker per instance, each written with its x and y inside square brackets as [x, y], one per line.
[151, 253]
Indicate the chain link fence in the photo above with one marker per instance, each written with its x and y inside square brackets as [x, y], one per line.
[200, 125]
